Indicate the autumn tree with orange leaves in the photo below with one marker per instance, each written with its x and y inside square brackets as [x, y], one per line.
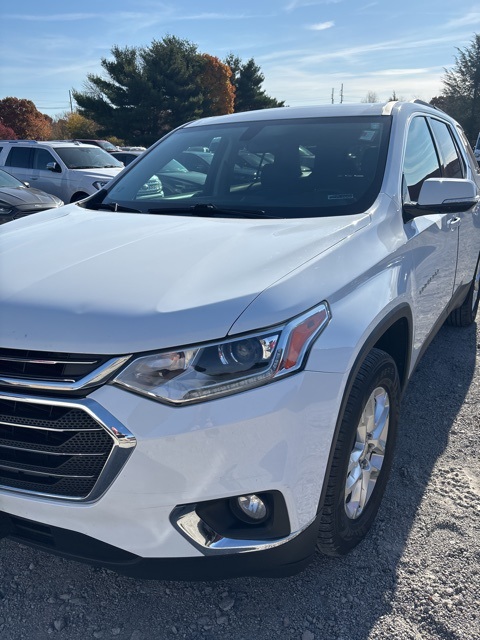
[219, 92]
[22, 117]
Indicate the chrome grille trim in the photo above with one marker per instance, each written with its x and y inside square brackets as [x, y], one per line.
[42, 473]
[123, 443]
[45, 362]
[32, 426]
[93, 379]
[47, 452]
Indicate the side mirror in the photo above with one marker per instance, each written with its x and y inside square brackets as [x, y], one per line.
[27, 184]
[54, 166]
[443, 195]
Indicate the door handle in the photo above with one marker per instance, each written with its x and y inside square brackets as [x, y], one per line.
[454, 222]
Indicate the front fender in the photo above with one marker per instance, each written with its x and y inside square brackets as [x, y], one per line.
[361, 317]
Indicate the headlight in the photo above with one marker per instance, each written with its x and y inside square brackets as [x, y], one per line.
[208, 371]
[5, 207]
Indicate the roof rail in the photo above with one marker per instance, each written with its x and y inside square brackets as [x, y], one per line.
[75, 142]
[387, 107]
[427, 104]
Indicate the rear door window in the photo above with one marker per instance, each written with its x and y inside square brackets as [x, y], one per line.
[19, 157]
[452, 165]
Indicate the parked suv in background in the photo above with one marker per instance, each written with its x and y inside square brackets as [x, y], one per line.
[204, 379]
[68, 170]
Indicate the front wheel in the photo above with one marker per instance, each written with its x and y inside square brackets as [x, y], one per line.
[362, 456]
[78, 196]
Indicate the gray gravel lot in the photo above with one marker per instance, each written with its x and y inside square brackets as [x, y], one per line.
[416, 577]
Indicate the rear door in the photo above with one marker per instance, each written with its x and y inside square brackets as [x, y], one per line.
[19, 163]
[469, 231]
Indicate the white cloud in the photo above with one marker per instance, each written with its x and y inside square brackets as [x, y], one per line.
[303, 88]
[59, 17]
[400, 72]
[321, 26]
[307, 57]
[297, 4]
[467, 20]
[214, 16]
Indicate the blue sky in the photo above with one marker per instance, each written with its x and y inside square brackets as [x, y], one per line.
[305, 48]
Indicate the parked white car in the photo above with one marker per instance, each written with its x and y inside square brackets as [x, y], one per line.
[205, 380]
[69, 170]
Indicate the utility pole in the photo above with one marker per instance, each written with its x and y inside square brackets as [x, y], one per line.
[341, 94]
[333, 91]
[71, 103]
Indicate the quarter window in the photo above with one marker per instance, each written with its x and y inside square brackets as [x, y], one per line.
[451, 164]
[421, 161]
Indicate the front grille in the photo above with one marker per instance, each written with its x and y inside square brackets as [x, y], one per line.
[44, 365]
[52, 449]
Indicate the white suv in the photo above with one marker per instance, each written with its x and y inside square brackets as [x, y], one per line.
[69, 170]
[204, 380]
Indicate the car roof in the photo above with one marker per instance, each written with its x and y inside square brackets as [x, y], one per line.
[49, 143]
[325, 111]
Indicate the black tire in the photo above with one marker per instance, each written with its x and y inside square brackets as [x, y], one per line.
[342, 524]
[465, 315]
[78, 196]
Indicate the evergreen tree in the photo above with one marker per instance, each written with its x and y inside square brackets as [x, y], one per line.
[145, 92]
[247, 79]
[460, 97]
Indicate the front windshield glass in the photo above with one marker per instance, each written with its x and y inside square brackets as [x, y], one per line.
[6, 180]
[87, 158]
[280, 168]
[107, 146]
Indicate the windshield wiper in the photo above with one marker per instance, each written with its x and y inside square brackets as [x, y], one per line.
[208, 210]
[110, 206]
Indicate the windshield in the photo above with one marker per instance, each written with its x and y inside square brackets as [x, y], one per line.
[6, 180]
[87, 158]
[281, 168]
[107, 146]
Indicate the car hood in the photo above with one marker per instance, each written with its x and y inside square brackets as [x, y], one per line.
[98, 174]
[80, 281]
[18, 196]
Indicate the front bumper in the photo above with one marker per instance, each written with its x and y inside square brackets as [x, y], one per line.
[274, 438]
[276, 562]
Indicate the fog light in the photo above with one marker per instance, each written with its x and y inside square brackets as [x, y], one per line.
[253, 507]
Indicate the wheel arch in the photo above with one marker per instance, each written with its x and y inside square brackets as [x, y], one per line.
[396, 340]
[79, 195]
[392, 335]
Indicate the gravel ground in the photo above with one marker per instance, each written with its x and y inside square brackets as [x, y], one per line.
[416, 576]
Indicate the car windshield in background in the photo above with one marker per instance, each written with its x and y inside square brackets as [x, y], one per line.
[6, 180]
[282, 168]
[87, 158]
